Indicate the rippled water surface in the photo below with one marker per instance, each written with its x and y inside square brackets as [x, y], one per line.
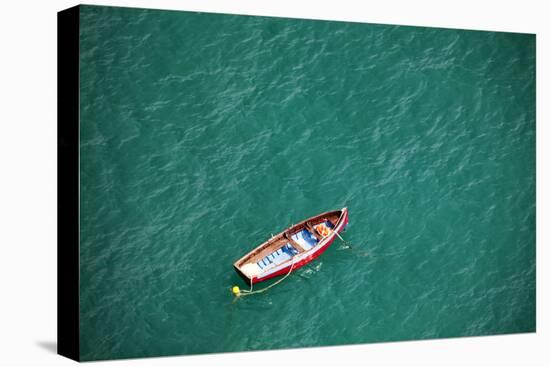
[202, 134]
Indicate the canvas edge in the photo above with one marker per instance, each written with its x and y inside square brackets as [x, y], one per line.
[68, 218]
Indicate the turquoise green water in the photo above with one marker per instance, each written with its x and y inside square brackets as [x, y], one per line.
[203, 134]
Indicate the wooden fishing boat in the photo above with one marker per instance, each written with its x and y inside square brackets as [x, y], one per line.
[293, 248]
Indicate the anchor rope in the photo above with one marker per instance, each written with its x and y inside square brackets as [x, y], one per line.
[245, 292]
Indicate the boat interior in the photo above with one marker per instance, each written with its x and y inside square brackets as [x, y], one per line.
[281, 248]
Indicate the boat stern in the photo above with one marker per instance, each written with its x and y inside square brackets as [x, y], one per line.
[246, 279]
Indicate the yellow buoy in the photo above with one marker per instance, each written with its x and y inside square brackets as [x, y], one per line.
[236, 291]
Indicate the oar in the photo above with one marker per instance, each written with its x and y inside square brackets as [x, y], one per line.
[343, 240]
[350, 247]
